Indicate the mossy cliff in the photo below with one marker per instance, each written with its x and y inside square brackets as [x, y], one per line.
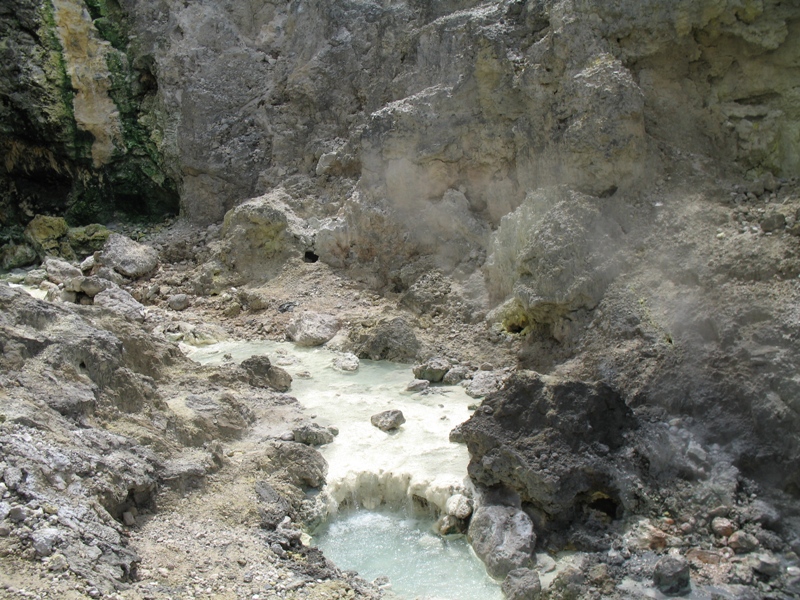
[78, 118]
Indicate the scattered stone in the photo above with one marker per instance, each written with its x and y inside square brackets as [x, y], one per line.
[263, 373]
[45, 539]
[459, 506]
[773, 222]
[503, 538]
[484, 383]
[742, 542]
[179, 302]
[455, 375]
[388, 420]
[346, 362]
[312, 329]
[457, 435]
[767, 564]
[450, 525]
[672, 576]
[122, 302]
[722, 527]
[127, 257]
[57, 563]
[47, 236]
[418, 385]
[60, 271]
[14, 256]
[312, 434]
[432, 370]
[522, 584]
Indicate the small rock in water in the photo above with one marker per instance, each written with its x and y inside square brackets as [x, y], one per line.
[458, 505]
[388, 420]
[346, 362]
[432, 370]
[418, 385]
[312, 435]
[672, 576]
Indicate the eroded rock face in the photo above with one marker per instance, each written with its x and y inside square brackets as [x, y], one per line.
[550, 441]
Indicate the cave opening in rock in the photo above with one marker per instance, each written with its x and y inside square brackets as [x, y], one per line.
[605, 504]
[310, 257]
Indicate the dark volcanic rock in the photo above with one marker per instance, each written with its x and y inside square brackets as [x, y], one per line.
[672, 576]
[555, 443]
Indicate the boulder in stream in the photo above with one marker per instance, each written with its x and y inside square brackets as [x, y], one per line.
[503, 538]
[312, 329]
[388, 420]
[312, 434]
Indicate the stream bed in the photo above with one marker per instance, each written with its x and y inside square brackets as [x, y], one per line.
[377, 478]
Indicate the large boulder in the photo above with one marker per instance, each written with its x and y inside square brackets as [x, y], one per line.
[122, 302]
[312, 329]
[503, 538]
[262, 373]
[388, 340]
[433, 369]
[388, 420]
[47, 235]
[14, 256]
[127, 257]
[60, 271]
[554, 442]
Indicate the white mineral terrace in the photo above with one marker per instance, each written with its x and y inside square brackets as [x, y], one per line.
[367, 466]
[371, 469]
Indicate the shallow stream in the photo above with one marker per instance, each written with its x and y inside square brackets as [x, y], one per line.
[382, 474]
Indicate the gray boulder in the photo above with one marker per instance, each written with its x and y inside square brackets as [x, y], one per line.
[389, 340]
[522, 584]
[432, 370]
[346, 362]
[272, 507]
[312, 329]
[503, 538]
[672, 576]
[179, 302]
[262, 373]
[127, 257]
[312, 434]
[484, 383]
[122, 302]
[60, 271]
[45, 540]
[418, 385]
[388, 420]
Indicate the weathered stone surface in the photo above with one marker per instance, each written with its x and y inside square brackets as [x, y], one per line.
[14, 256]
[389, 340]
[263, 373]
[484, 383]
[550, 424]
[522, 584]
[121, 302]
[259, 235]
[312, 434]
[742, 542]
[418, 385]
[432, 370]
[459, 506]
[179, 302]
[346, 362]
[47, 236]
[272, 507]
[672, 576]
[388, 420]
[127, 257]
[503, 538]
[60, 271]
[312, 329]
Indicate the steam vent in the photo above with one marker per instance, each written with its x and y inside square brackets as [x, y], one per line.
[399, 299]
